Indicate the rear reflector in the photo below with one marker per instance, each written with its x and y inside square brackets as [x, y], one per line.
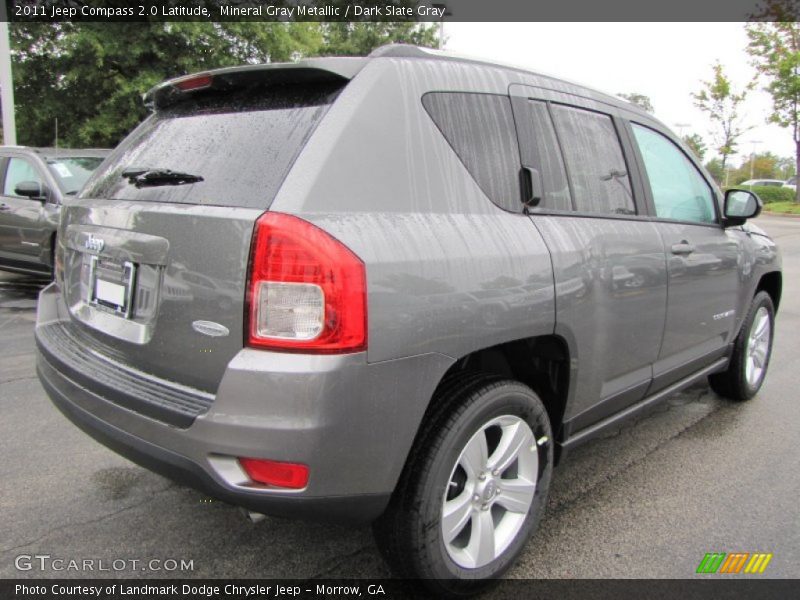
[279, 474]
[307, 290]
[194, 83]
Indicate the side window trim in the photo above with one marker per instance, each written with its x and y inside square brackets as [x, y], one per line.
[3, 171]
[639, 185]
[564, 162]
[648, 190]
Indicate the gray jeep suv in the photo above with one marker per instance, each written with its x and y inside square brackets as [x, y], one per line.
[396, 289]
[34, 184]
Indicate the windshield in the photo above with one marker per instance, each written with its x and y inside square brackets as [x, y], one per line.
[226, 148]
[72, 172]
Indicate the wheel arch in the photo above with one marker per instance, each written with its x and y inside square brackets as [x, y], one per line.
[772, 283]
[540, 362]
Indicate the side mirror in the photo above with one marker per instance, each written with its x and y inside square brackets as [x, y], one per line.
[741, 205]
[32, 189]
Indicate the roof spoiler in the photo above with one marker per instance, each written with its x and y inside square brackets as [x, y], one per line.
[305, 71]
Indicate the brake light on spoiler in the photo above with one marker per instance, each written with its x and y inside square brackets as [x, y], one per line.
[194, 82]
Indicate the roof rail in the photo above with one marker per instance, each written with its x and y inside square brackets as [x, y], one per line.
[406, 51]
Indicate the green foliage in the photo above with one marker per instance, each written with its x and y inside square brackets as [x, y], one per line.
[359, 39]
[718, 98]
[696, 145]
[775, 48]
[91, 76]
[770, 194]
[786, 167]
[639, 100]
[714, 167]
[765, 165]
[785, 208]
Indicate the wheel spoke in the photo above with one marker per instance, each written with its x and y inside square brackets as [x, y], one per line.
[760, 326]
[759, 354]
[516, 495]
[456, 515]
[515, 438]
[749, 367]
[474, 457]
[757, 349]
[481, 541]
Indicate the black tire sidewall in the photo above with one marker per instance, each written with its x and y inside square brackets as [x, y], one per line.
[505, 399]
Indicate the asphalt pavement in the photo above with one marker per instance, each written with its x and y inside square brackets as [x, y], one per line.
[696, 475]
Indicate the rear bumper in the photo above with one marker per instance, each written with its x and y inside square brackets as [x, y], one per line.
[350, 421]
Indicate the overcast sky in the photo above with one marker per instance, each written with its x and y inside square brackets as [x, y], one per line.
[665, 61]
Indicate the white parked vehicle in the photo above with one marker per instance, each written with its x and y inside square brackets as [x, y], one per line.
[762, 182]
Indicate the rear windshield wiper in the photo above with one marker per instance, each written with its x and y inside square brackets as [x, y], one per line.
[141, 177]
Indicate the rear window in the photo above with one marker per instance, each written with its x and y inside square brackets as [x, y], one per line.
[242, 143]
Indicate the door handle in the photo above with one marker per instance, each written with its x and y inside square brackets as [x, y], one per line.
[4, 207]
[683, 248]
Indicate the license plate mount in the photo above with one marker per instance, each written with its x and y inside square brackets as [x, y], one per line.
[111, 285]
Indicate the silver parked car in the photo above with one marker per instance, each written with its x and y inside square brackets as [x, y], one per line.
[35, 182]
[396, 289]
[750, 183]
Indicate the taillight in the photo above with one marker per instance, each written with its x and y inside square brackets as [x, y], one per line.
[280, 474]
[307, 290]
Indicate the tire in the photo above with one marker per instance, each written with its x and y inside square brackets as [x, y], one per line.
[441, 468]
[751, 353]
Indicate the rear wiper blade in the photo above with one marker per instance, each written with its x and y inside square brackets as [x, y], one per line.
[141, 176]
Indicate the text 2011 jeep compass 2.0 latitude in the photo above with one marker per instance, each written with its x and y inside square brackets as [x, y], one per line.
[396, 288]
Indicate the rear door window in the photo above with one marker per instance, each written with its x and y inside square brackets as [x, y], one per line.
[242, 143]
[595, 162]
[480, 128]
[540, 151]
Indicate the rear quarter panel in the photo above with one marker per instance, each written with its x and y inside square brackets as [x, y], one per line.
[448, 272]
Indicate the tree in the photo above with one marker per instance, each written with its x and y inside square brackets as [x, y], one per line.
[714, 167]
[765, 165]
[696, 144]
[359, 39]
[775, 48]
[91, 76]
[639, 100]
[722, 103]
[786, 167]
